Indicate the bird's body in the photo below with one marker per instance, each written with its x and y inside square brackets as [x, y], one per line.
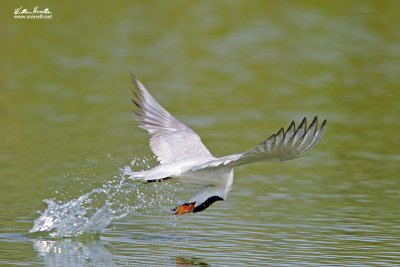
[183, 156]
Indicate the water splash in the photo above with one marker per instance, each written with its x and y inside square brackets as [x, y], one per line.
[92, 212]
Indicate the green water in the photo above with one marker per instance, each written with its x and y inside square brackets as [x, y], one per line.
[235, 71]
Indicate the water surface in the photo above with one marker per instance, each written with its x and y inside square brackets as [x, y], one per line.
[235, 71]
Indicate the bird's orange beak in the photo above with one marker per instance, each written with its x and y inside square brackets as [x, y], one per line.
[185, 208]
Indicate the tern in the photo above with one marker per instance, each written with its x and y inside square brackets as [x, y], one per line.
[182, 155]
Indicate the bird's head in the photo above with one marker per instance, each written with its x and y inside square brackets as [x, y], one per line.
[195, 206]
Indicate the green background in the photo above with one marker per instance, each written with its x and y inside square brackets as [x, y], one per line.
[234, 71]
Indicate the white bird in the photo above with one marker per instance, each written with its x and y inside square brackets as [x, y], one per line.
[183, 156]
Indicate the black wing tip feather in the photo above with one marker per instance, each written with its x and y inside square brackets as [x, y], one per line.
[279, 132]
[137, 93]
[304, 121]
[324, 123]
[303, 124]
[133, 76]
[322, 128]
[315, 120]
[136, 103]
[313, 124]
[292, 124]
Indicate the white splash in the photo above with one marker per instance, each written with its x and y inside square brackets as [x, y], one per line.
[94, 211]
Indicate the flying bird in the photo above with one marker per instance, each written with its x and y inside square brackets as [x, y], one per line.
[183, 156]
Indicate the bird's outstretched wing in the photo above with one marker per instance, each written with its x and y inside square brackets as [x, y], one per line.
[171, 140]
[281, 146]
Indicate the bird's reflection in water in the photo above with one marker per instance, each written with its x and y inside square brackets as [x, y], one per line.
[67, 252]
[186, 262]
